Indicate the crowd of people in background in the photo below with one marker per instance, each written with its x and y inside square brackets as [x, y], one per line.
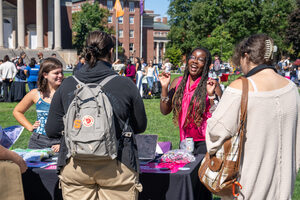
[143, 74]
[15, 73]
[288, 69]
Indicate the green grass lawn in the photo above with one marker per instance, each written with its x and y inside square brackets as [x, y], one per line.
[157, 124]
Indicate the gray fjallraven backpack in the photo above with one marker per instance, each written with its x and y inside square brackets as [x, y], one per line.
[89, 123]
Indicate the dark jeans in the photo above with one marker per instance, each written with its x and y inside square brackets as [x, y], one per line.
[39, 141]
[1, 89]
[6, 88]
[32, 85]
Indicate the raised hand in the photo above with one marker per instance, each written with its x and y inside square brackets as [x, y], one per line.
[165, 79]
[211, 86]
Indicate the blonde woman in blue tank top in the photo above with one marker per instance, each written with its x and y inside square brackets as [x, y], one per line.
[49, 79]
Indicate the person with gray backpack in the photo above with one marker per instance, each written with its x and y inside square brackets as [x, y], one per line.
[97, 112]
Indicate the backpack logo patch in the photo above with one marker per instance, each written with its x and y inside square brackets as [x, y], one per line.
[77, 123]
[88, 121]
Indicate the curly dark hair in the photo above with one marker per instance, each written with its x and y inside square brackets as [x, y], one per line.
[47, 65]
[97, 46]
[197, 105]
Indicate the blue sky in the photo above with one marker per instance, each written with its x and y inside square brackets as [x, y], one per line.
[158, 6]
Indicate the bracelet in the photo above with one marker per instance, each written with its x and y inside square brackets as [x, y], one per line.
[212, 97]
[164, 99]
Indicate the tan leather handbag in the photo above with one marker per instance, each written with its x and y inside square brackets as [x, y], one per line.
[219, 172]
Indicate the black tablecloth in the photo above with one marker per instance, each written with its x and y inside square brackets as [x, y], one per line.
[41, 183]
[182, 185]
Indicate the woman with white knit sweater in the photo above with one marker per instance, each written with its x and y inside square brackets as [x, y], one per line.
[271, 155]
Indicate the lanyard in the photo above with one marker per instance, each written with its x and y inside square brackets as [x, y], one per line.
[258, 69]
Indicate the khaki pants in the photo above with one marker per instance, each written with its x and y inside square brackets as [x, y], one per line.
[98, 179]
[11, 187]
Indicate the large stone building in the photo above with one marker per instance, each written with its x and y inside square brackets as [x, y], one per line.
[33, 26]
[36, 24]
[160, 33]
[129, 29]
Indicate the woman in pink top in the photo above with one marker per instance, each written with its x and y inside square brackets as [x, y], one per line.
[191, 97]
[130, 70]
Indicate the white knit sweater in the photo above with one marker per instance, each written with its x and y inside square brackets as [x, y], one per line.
[271, 156]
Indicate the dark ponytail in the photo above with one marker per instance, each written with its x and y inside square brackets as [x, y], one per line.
[98, 45]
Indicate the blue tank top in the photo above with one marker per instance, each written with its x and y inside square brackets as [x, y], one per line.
[42, 110]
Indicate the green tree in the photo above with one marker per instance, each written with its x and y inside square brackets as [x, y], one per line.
[274, 21]
[174, 54]
[179, 18]
[90, 18]
[220, 42]
[293, 30]
[219, 24]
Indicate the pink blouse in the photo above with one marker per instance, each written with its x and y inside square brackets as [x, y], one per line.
[197, 133]
[130, 71]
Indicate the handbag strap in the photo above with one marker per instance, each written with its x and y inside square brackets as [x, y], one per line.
[243, 117]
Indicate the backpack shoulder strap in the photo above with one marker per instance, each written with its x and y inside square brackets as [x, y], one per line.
[78, 81]
[106, 80]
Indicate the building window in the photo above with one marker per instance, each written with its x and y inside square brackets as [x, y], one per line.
[131, 20]
[109, 5]
[120, 20]
[109, 19]
[131, 47]
[131, 6]
[120, 33]
[131, 34]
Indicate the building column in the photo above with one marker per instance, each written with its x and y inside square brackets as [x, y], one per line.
[57, 25]
[1, 25]
[39, 24]
[21, 24]
[50, 23]
[157, 52]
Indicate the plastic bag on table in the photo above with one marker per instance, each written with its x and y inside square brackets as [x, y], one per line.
[178, 156]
